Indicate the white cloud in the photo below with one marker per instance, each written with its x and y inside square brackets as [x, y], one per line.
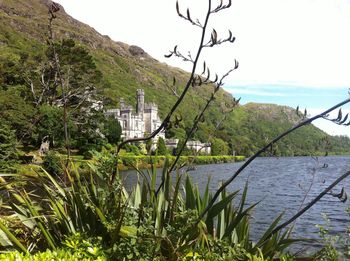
[290, 42]
[300, 41]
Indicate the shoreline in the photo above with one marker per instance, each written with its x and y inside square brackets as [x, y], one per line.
[146, 162]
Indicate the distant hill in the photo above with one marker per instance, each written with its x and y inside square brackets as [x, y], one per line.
[125, 68]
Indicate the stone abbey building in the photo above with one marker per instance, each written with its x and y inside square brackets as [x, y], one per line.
[139, 123]
[145, 120]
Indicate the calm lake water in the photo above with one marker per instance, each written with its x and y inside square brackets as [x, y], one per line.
[281, 184]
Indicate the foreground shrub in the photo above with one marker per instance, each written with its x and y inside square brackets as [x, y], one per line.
[88, 215]
[8, 147]
[61, 254]
[336, 245]
[52, 163]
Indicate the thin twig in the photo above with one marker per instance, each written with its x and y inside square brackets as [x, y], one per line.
[178, 102]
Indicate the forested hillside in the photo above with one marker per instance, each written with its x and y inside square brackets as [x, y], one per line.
[115, 70]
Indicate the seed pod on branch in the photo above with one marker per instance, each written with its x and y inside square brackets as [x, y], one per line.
[204, 68]
[340, 115]
[208, 75]
[216, 78]
[214, 37]
[189, 15]
[344, 119]
[236, 65]
[178, 9]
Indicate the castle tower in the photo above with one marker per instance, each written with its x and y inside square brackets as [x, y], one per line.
[140, 101]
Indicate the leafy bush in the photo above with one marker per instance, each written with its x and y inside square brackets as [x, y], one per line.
[161, 148]
[131, 148]
[53, 163]
[60, 254]
[112, 130]
[147, 161]
[8, 147]
[218, 147]
[97, 219]
[336, 246]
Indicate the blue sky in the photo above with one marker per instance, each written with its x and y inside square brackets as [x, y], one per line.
[304, 97]
[314, 100]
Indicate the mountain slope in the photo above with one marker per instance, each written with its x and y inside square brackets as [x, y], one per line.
[23, 32]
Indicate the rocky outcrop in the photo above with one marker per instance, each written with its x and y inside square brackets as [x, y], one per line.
[136, 51]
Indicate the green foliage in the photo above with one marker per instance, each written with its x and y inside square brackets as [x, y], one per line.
[8, 147]
[335, 246]
[98, 220]
[53, 164]
[175, 133]
[161, 148]
[131, 148]
[117, 74]
[251, 126]
[84, 247]
[130, 161]
[87, 215]
[51, 125]
[17, 113]
[218, 147]
[61, 254]
[75, 64]
[78, 208]
[112, 130]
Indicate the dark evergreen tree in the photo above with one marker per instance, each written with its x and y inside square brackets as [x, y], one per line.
[112, 130]
[8, 147]
[161, 148]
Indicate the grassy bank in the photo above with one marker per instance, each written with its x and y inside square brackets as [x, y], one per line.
[143, 162]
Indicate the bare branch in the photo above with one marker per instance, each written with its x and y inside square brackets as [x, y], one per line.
[178, 102]
[188, 16]
[178, 54]
[215, 41]
[221, 6]
[340, 120]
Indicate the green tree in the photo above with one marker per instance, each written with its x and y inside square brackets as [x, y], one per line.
[18, 114]
[218, 147]
[77, 75]
[89, 135]
[8, 147]
[50, 124]
[161, 148]
[112, 130]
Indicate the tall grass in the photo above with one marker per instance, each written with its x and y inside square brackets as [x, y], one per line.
[140, 223]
